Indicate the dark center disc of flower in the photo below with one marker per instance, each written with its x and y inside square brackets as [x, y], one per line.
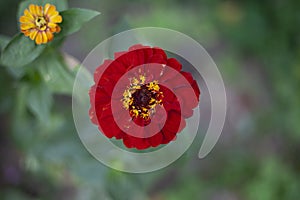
[41, 22]
[142, 97]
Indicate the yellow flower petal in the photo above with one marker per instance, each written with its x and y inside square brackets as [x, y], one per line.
[39, 38]
[33, 34]
[39, 10]
[53, 30]
[27, 26]
[46, 8]
[45, 38]
[28, 14]
[50, 11]
[25, 19]
[56, 19]
[32, 10]
[52, 25]
[49, 35]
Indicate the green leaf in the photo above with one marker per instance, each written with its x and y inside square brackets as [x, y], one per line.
[55, 72]
[15, 72]
[74, 18]
[20, 51]
[60, 5]
[4, 40]
[39, 101]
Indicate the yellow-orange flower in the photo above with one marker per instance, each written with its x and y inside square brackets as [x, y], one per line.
[40, 23]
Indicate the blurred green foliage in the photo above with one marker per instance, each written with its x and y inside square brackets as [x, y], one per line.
[256, 45]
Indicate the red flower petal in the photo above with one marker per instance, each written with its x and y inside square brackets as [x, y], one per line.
[172, 123]
[115, 67]
[148, 52]
[157, 58]
[156, 139]
[168, 74]
[159, 51]
[188, 97]
[188, 76]
[196, 89]
[139, 143]
[171, 129]
[141, 122]
[172, 62]
[101, 97]
[128, 141]
[108, 126]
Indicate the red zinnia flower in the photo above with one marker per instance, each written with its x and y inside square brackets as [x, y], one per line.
[142, 97]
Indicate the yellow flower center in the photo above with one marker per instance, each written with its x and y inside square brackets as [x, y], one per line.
[41, 23]
[141, 99]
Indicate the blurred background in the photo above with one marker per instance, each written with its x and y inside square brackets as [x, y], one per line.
[255, 44]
